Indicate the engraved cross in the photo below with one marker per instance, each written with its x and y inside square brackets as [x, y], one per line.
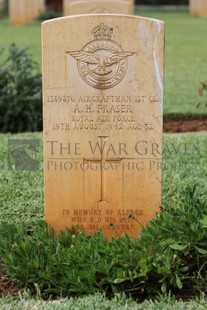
[102, 160]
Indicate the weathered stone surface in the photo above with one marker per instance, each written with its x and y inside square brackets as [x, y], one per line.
[97, 6]
[41, 6]
[198, 7]
[17, 12]
[2, 6]
[24, 11]
[103, 97]
[37, 7]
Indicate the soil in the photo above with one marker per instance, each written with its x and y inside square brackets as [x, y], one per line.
[171, 124]
[6, 286]
[188, 124]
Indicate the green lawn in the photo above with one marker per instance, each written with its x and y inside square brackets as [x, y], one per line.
[185, 60]
[98, 302]
[28, 36]
[185, 56]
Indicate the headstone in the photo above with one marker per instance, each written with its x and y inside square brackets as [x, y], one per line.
[103, 97]
[198, 7]
[97, 6]
[2, 6]
[30, 10]
[17, 14]
[24, 11]
[41, 7]
[34, 9]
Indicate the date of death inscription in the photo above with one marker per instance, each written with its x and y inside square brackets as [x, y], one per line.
[103, 112]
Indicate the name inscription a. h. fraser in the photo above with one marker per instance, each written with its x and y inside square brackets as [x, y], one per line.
[102, 112]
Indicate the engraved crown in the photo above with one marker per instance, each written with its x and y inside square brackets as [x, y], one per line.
[102, 32]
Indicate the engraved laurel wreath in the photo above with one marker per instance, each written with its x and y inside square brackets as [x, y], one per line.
[102, 63]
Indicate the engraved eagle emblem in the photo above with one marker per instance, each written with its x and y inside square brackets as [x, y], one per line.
[103, 62]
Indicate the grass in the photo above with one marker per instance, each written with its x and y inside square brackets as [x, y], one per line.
[185, 61]
[24, 36]
[185, 56]
[21, 191]
[188, 165]
[99, 302]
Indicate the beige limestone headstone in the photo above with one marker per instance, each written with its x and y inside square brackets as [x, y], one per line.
[198, 7]
[71, 7]
[2, 6]
[40, 7]
[24, 11]
[30, 10]
[103, 98]
[17, 13]
[34, 8]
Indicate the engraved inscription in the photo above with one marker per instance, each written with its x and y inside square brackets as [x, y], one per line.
[103, 112]
[102, 63]
[108, 219]
[101, 99]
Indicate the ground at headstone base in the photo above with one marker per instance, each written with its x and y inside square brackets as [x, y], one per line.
[184, 124]
[6, 286]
